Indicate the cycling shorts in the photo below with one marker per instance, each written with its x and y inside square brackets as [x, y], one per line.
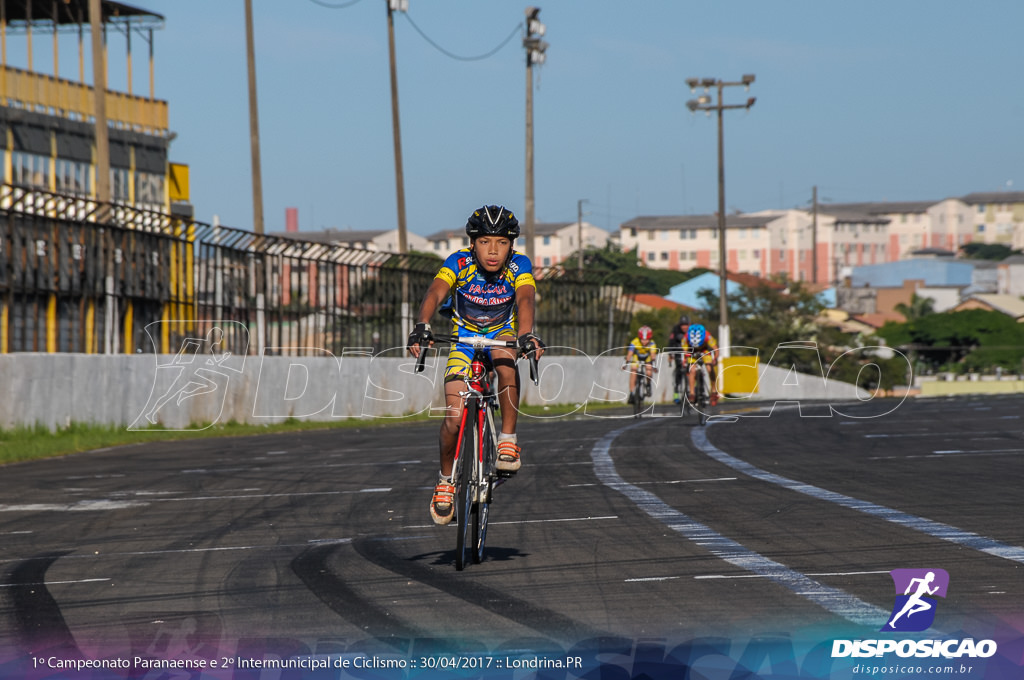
[460, 355]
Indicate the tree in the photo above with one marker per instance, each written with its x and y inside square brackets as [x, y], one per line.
[918, 308]
[965, 341]
[775, 313]
[769, 314]
[987, 251]
[655, 281]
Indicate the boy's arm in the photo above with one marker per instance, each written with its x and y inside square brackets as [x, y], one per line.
[435, 295]
[526, 307]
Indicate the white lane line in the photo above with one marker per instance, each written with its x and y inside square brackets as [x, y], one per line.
[667, 481]
[832, 599]
[80, 506]
[651, 578]
[271, 495]
[53, 583]
[932, 528]
[526, 521]
[953, 454]
[954, 451]
[563, 519]
[825, 573]
[900, 435]
[377, 464]
[106, 504]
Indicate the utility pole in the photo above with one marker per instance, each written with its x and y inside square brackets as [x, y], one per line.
[535, 48]
[397, 6]
[703, 103]
[99, 91]
[579, 234]
[814, 234]
[254, 124]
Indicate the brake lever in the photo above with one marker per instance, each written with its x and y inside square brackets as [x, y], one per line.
[421, 359]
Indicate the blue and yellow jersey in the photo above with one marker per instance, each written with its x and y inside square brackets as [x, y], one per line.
[707, 351]
[642, 352]
[481, 304]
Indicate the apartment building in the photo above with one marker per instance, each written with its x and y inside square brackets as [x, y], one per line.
[762, 243]
[688, 241]
[997, 217]
[824, 245]
[381, 240]
[554, 242]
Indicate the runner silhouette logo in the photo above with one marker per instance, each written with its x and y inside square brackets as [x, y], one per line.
[914, 608]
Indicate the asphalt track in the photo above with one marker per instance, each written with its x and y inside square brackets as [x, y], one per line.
[779, 521]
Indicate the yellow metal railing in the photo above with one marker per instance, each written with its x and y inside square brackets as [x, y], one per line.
[69, 99]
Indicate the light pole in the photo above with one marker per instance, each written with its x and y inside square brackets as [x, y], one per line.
[254, 124]
[535, 48]
[703, 103]
[579, 233]
[400, 6]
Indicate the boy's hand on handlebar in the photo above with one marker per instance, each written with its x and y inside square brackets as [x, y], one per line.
[421, 335]
[530, 342]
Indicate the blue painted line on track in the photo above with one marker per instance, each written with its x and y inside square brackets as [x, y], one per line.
[832, 599]
[932, 528]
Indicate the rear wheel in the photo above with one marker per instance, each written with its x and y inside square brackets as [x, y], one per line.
[683, 389]
[465, 461]
[703, 399]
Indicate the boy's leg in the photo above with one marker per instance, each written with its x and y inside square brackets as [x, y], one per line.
[442, 503]
[508, 398]
[450, 425]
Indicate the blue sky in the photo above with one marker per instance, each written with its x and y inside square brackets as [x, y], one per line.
[868, 100]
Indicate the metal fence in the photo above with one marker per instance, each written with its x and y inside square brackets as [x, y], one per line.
[80, 276]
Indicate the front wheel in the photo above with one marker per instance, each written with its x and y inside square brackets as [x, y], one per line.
[638, 397]
[483, 505]
[465, 462]
[703, 395]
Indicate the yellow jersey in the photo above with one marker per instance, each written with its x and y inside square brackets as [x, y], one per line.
[642, 352]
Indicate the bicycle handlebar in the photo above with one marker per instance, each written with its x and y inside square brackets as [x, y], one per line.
[479, 342]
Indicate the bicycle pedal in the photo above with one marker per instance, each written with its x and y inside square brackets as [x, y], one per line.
[507, 474]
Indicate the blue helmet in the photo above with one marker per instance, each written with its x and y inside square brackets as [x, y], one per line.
[697, 335]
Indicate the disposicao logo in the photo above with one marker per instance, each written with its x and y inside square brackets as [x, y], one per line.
[914, 608]
[914, 611]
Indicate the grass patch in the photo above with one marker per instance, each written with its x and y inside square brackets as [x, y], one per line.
[31, 442]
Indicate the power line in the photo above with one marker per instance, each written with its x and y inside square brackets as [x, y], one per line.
[445, 52]
[331, 6]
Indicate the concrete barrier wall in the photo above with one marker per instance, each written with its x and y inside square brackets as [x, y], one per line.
[139, 391]
[944, 388]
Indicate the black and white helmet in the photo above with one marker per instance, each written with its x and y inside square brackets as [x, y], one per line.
[492, 220]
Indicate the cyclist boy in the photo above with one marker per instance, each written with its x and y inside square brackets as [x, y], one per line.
[641, 350]
[703, 347]
[676, 341]
[493, 294]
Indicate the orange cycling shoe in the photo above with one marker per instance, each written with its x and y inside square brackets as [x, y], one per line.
[508, 456]
[442, 505]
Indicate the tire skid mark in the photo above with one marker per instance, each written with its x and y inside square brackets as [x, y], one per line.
[38, 621]
[496, 601]
[312, 568]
